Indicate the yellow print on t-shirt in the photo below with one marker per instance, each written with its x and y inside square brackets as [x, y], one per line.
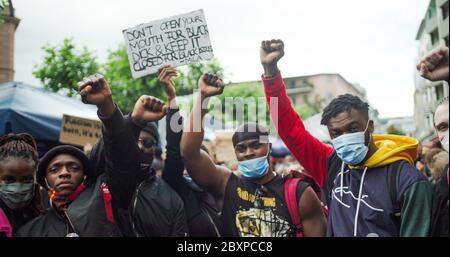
[246, 196]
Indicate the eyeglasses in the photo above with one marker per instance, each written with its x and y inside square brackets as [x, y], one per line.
[146, 143]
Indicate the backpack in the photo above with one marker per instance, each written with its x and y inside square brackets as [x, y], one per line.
[290, 195]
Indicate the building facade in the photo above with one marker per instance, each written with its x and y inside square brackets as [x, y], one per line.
[432, 33]
[8, 26]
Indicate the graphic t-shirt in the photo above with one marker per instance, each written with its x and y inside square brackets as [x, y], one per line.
[252, 210]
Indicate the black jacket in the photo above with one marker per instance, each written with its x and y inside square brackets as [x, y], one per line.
[87, 213]
[201, 210]
[439, 218]
[156, 210]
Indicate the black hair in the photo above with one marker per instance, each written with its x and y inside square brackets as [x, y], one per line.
[22, 146]
[344, 103]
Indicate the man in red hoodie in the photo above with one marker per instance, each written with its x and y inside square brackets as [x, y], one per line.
[368, 180]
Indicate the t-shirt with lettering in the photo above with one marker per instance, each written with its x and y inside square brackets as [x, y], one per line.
[252, 210]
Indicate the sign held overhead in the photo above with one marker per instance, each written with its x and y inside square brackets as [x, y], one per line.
[178, 40]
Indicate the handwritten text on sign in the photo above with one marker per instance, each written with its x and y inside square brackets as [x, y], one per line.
[79, 131]
[178, 40]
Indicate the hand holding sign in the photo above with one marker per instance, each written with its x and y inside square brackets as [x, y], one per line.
[270, 53]
[95, 90]
[148, 109]
[434, 65]
[210, 85]
[165, 75]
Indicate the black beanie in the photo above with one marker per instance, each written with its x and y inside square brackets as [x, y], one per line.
[248, 131]
[55, 151]
[152, 129]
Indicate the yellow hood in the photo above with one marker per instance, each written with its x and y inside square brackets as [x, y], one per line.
[392, 148]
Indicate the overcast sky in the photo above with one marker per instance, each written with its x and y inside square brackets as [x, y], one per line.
[370, 42]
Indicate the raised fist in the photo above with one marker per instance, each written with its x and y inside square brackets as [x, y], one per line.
[94, 90]
[271, 52]
[210, 85]
[147, 109]
[434, 65]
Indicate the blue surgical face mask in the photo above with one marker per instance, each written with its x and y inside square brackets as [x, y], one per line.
[17, 195]
[351, 148]
[254, 168]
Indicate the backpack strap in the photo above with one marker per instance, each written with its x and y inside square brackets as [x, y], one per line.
[392, 181]
[290, 195]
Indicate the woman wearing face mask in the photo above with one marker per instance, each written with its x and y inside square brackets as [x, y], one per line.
[20, 200]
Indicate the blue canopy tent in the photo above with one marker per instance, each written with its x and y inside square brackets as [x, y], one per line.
[24, 108]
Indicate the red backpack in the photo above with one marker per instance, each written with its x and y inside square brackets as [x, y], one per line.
[290, 195]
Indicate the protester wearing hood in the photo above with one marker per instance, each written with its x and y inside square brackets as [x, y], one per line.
[155, 210]
[369, 180]
[253, 204]
[85, 203]
[20, 199]
[202, 213]
[434, 66]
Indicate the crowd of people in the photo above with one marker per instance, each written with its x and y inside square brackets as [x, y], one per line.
[362, 184]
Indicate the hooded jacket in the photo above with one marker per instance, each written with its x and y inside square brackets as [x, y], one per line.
[358, 197]
[155, 210]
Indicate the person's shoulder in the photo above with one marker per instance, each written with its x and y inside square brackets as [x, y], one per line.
[408, 175]
[37, 224]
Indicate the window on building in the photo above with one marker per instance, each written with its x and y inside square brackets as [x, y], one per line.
[439, 92]
[444, 10]
[292, 84]
[434, 37]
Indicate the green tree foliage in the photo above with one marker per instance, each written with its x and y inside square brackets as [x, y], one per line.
[3, 5]
[64, 66]
[394, 131]
[126, 89]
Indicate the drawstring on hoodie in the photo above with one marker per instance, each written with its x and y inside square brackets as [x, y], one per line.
[359, 202]
[342, 179]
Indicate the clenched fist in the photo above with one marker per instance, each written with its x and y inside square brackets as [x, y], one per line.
[270, 53]
[148, 109]
[210, 85]
[95, 90]
[434, 65]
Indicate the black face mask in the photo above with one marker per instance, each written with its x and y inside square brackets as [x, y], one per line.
[146, 160]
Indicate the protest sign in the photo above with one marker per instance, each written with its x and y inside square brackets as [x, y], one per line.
[79, 131]
[178, 40]
[224, 147]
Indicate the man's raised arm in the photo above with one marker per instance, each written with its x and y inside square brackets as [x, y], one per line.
[199, 165]
[308, 150]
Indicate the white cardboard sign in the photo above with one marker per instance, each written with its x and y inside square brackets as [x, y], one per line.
[178, 40]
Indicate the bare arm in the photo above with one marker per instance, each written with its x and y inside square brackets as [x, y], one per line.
[313, 219]
[198, 163]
